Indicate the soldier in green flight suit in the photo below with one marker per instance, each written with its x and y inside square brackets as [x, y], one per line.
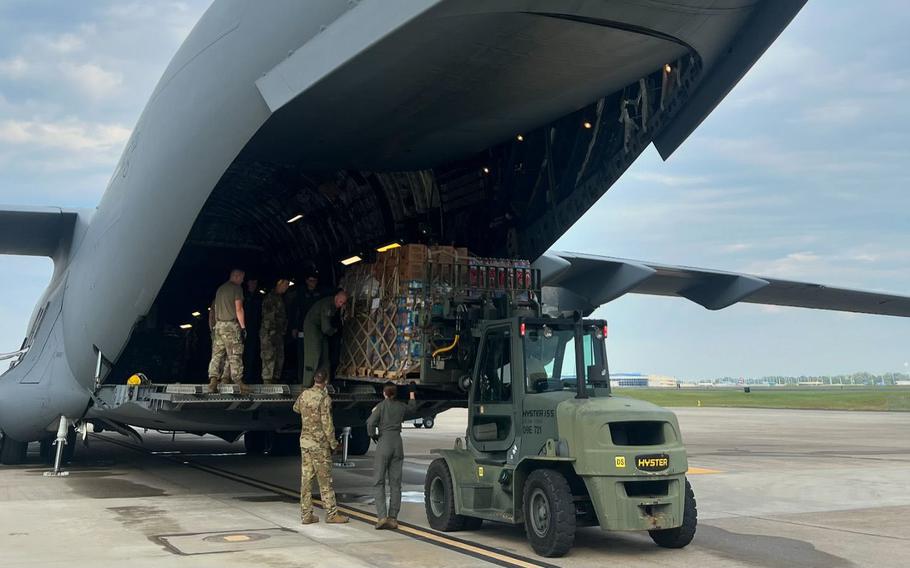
[317, 328]
[271, 333]
[298, 307]
[384, 426]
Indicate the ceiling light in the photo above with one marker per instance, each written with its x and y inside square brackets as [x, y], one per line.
[667, 68]
[486, 170]
[196, 314]
[351, 260]
[186, 326]
[290, 282]
[520, 138]
[262, 291]
[588, 125]
[295, 218]
[388, 247]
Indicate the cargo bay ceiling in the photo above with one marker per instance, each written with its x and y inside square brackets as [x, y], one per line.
[495, 132]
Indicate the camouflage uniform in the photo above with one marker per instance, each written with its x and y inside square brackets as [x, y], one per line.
[271, 337]
[227, 344]
[226, 340]
[317, 442]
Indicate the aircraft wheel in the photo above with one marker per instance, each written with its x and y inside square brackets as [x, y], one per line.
[683, 534]
[549, 512]
[12, 452]
[359, 442]
[439, 500]
[70, 448]
[255, 442]
[47, 451]
[284, 444]
[429, 422]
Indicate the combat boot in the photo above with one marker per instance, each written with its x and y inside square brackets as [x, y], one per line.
[391, 523]
[213, 386]
[337, 518]
[244, 389]
[309, 519]
[381, 523]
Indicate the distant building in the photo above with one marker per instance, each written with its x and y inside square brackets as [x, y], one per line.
[627, 380]
[640, 380]
[662, 382]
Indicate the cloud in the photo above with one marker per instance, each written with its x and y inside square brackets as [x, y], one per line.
[13, 68]
[839, 113]
[72, 134]
[736, 247]
[69, 42]
[92, 80]
[668, 180]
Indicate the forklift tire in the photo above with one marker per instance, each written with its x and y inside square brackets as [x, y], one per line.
[359, 443]
[429, 422]
[439, 501]
[683, 534]
[12, 452]
[255, 442]
[549, 512]
[418, 425]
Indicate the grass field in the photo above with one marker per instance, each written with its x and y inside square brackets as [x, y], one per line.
[819, 398]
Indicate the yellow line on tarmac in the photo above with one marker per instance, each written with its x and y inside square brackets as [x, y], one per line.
[702, 471]
[432, 537]
[476, 551]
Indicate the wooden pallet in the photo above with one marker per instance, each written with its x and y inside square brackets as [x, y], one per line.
[381, 294]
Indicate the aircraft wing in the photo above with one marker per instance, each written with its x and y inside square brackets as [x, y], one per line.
[585, 282]
[34, 231]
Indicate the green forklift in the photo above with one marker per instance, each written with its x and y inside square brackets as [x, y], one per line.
[550, 447]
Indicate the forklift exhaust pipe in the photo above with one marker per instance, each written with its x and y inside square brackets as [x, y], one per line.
[580, 369]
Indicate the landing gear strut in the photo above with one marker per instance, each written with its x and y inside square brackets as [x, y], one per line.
[66, 438]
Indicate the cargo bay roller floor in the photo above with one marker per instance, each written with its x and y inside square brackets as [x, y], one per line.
[775, 488]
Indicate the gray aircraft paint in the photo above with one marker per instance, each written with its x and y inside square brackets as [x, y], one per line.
[249, 67]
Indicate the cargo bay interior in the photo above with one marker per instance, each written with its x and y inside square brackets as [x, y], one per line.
[275, 220]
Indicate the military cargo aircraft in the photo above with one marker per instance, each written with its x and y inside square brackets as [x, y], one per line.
[286, 134]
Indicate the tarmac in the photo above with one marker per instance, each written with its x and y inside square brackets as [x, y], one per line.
[775, 488]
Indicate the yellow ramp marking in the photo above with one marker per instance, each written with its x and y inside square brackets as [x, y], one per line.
[702, 471]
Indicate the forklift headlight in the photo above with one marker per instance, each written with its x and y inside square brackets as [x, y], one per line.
[547, 332]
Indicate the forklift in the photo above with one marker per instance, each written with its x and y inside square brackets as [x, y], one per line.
[549, 446]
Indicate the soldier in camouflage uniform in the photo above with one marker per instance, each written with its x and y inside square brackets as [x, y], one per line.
[317, 442]
[229, 332]
[271, 333]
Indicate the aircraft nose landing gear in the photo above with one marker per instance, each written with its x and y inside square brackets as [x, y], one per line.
[66, 436]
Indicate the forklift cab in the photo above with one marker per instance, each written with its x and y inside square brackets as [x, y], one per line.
[523, 366]
[549, 447]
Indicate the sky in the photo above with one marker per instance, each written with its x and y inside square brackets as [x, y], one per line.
[800, 173]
